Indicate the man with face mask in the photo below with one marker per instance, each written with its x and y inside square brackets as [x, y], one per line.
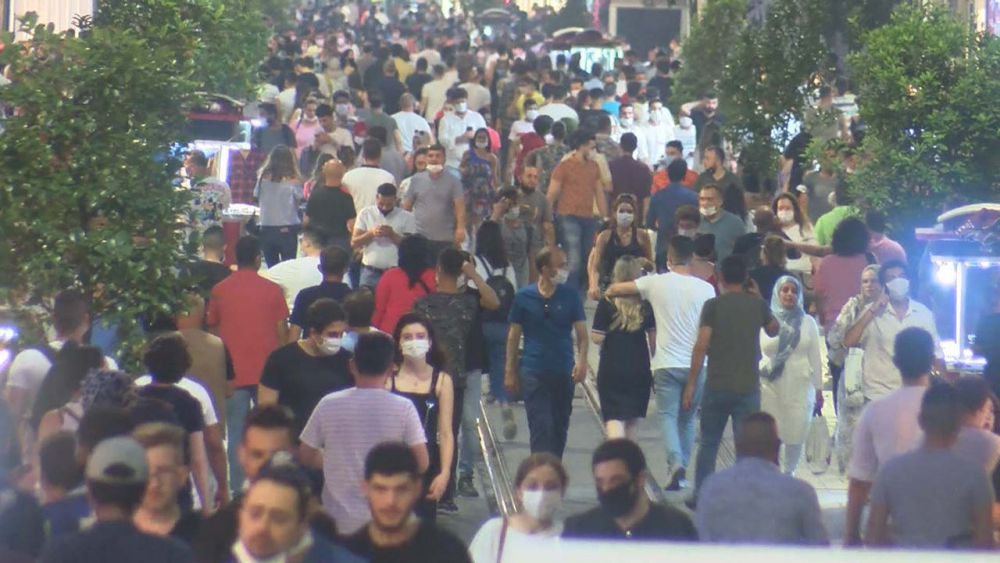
[627, 124]
[625, 512]
[377, 231]
[437, 201]
[457, 129]
[687, 135]
[659, 130]
[273, 132]
[547, 314]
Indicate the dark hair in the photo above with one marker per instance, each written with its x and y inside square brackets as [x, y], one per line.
[773, 248]
[450, 261]
[579, 138]
[71, 365]
[850, 238]
[629, 143]
[883, 271]
[57, 461]
[624, 450]
[289, 475]
[490, 245]
[436, 356]
[267, 108]
[269, 417]
[913, 353]
[973, 392]
[457, 94]
[126, 497]
[719, 153]
[875, 220]
[413, 259]
[541, 459]
[324, 110]
[421, 64]
[69, 311]
[437, 147]
[359, 307]
[198, 158]
[688, 213]
[391, 458]
[800, 218]
[333, 260]
[422, 151]
[375, 100]
[280, 164]
[676, 145]
[558, 130]
[317, 236]
[489, 141]
[373, 354]
[734, 269]
[825, 91]
[387, 189]
[101, 422]
[542, 124]
[704, 246]
[247, 251]
[167, 358]
[940, 410]
[323, 312]
[676, 170]
[213, 238]
[371, 149]
[379, 133]
[680, 249]
[544, 257]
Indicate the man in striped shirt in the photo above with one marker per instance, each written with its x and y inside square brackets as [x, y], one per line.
[347, 424]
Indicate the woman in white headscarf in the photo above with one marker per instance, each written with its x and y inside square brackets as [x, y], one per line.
[790, 371]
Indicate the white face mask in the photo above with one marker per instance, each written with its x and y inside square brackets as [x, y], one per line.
[627, 121]
[331, 346]
[435, 168]
[342, 109]
[625, 218]
[416, 348]
[898, 288]
[541, 504]
[349, 341]
[531, 114]
[786, 216]
[461, 107]
[549, 139]
[243, 555]
[482, 144]
[708, 210]
[690, 233]
[685, 122]
[562, 276]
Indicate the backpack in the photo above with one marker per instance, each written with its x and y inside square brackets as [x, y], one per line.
[505, 293]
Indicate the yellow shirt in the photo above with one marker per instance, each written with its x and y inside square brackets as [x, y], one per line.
[403, 68]
[519, 102]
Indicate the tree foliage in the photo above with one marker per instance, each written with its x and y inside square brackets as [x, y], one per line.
[929, 87]
[767, 77]
[706, 49]
[86, 194]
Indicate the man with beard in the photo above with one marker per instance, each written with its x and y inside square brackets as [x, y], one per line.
[393, 486]
[537, 215]
[378, 231]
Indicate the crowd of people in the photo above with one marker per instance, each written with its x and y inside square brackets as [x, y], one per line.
[436, 210]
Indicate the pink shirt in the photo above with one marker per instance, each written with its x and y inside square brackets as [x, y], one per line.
[837, 279]
[887, 250]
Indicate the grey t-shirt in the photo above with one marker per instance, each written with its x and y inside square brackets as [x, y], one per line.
[535, 211]
[727, 228]
[734, 350]
[434, 204]
[931, 496]
[819, 188]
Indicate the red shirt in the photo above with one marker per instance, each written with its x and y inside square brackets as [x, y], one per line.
[661, 181]
[245, 310]
[394, 296]
[529, 142]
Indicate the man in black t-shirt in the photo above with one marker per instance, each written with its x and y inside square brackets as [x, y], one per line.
[211, 269]
[331, 208]
[625, 512]
[333, 262]
[393, 486]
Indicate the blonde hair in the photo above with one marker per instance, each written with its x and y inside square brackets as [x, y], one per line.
[628, 310]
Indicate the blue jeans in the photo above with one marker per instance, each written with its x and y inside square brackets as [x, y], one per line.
[578, 236]
[495, 335]
[370, 277]
[677, 424]
[237, 408]
[548, 402]
[279, 243]
[717, 408]
[468, 446]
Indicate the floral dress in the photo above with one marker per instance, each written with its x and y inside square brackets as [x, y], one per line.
[477, 183]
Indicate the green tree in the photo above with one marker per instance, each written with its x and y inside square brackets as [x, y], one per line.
[929, 86]
[88, 160]
[767, 77]
[706, 48]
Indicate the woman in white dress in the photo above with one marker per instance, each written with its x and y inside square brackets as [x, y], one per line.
[539, 486]
[790, 372]
[797, 226]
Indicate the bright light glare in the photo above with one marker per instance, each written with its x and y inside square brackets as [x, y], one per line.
[946, 274]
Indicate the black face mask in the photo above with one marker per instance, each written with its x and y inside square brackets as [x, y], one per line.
[619, 500]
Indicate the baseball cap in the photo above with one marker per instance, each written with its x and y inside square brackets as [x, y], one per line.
[118, 461]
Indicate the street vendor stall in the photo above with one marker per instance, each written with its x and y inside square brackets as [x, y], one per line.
[592, 45]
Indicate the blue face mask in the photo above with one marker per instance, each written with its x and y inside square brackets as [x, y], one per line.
[349, 341]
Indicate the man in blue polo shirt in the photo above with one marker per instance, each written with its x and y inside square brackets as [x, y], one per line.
[547, 314]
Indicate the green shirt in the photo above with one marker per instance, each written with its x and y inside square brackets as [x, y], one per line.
[734, 350]
[826, 224]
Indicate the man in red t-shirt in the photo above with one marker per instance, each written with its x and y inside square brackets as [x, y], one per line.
[249, 313]
[675, 151]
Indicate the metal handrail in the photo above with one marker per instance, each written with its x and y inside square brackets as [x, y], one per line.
[496, 466]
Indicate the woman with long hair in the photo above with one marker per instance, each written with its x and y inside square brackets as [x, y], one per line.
[624, 328]
[798, 227]
[491, 260]
[399, 287]
[306, 88]
[420, 377]
[279, 193]
[539, 487]
[791, 375]
[419, 165]
[317, 179]
[623, 237]
[773, 265]
[480, 178]
[305, 124]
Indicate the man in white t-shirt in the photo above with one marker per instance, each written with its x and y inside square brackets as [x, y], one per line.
[409, 122]
[479, 95]
[457, 128]
[378, 231]
[677, 298]
[71, 320]
[295, 275]
[347, 424]
[888, 427]
[362, 182]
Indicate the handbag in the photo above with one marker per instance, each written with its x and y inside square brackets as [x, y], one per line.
[818, 445]
[852, 377]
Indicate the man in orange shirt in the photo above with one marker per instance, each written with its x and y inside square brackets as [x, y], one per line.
[250, 314]
[675, 151]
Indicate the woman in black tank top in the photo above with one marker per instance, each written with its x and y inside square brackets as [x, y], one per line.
[419, 378]
[624, 237]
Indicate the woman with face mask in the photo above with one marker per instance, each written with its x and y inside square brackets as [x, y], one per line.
[799, 229]
[305, 124]
[299, 374]
[791, 376]
[539, 486]
[480, 177]
[420, 378]
[622, 238]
